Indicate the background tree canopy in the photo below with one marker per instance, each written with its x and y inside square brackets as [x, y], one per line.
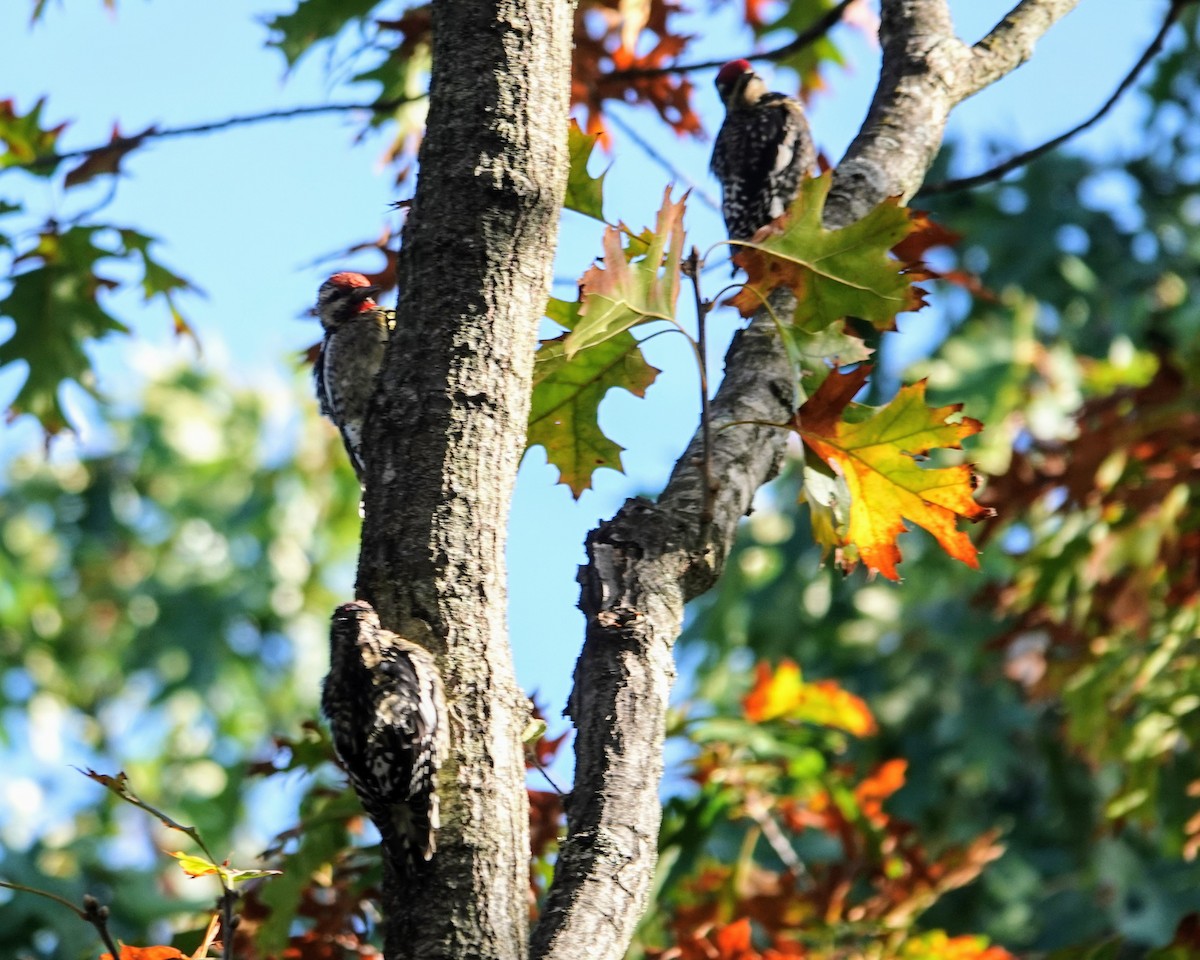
[965, 764]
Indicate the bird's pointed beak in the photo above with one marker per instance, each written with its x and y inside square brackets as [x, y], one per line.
[365, 293]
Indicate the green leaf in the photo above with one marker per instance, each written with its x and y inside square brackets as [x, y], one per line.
[833, 273]
[584, 192]
[57, 311]
[312, 22]
[25, 139]
[631, 289]
[195, 866]
[567, 392]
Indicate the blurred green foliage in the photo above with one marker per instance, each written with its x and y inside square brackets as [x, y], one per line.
[162, 611]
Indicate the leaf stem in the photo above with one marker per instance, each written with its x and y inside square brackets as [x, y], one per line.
[691, 269]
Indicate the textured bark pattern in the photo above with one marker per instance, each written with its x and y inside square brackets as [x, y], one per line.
[650, 559]
[445, 437]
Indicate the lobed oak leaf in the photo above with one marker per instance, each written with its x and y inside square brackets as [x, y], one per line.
[928, 235]
[24, 139]
[630, 290]
[108, 159]
[878, 459]
[564, 411]
[606, 65]
[585, 193]
[848, 272]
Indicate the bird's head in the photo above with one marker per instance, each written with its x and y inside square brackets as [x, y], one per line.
[737, 82]
[343, 296]
[355, 613]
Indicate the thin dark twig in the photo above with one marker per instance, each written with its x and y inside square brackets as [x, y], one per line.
[120, 143]
[541, 768]
[653, 154]
[93, 912]
[1021, 159]
[229, 920]
[803, 39]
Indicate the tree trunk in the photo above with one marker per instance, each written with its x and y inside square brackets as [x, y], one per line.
[446, 436]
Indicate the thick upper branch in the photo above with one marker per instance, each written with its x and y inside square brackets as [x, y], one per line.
[651, 558]
[1011, 41]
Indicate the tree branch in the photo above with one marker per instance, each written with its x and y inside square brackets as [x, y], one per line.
[1011, 41]
[123, 144]
[1028, 156]
[805, 38]
[646, 563]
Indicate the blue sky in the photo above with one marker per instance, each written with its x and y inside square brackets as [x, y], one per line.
[244, 213]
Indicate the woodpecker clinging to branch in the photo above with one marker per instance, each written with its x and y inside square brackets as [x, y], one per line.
[762, 150]
[356, 333]
[384, 701]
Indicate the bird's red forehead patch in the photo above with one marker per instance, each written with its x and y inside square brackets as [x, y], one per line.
[732, 70]
[347, 278]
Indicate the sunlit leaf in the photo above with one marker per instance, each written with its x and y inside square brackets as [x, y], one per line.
[625, 292]
[879, 459]
[848, 272]
[25, 139]
[563, 415]
[782, 693]
[585, 193]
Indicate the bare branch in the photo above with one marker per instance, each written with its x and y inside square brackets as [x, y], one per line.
[1012, 40]
[1028, 156]
[52, 160]
[805, 38]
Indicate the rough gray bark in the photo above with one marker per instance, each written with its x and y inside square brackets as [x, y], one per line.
[651, 558]
[446, 436]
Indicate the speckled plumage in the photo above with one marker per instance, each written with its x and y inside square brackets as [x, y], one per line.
[387, 712]
[762, 150]
[350, 356]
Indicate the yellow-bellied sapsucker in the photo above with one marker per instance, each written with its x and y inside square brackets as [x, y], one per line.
[356, 334]
[387, 711]
[762, 150]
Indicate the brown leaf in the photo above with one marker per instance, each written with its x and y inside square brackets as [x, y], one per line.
[107, 160]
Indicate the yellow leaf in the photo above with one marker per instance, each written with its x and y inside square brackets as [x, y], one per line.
[783, 694]
[879, 460]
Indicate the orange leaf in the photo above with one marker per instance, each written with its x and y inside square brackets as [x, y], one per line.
[784, 694]
[878, 459]
[871, 792]
[733, 941]
[145, 953]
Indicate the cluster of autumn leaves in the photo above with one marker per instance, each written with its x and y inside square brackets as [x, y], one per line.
[864, 468]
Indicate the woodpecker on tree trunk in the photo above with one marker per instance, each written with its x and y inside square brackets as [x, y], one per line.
[387, 712]
[763, 150]
[356, 333]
